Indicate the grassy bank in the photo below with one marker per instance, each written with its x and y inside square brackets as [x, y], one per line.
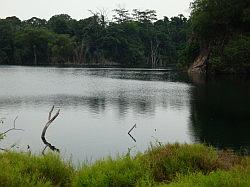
[168, 165]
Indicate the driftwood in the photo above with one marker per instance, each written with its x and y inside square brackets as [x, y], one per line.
[50, 120]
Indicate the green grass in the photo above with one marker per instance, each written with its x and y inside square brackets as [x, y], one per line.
[21, 169]
[233, 178]
[168, 165]
[165, 162]
[123, 171]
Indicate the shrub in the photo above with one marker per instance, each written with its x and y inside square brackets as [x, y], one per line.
[168, 161]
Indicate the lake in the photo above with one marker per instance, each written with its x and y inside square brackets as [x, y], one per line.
[99, 107]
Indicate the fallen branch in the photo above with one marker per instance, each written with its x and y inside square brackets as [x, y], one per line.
[50, 120]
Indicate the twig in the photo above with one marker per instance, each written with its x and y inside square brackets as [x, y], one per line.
[129, 150]
[50, 120]
[43, 152]
[132, 137]
[28, 149]
[7, 131]
[157, 141]
[131, 131]
[12, 129]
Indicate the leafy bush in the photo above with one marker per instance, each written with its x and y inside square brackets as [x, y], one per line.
[166, 162]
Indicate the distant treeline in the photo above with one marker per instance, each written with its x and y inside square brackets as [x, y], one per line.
[130, 39]
[134, 38]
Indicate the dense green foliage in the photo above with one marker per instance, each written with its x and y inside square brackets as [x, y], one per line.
[134, 39]
[131, 40]
[222, 27]
[174, 165]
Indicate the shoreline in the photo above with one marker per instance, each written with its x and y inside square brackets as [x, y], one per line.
[161, 165]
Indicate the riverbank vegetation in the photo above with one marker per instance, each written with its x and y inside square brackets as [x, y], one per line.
[165, 165]
[221, 34]
[137, 38]
[131, 39]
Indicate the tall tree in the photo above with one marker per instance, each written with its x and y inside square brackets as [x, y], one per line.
[121, 15]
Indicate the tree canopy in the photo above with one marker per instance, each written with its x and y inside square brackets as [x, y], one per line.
[134, 38]
[221, 26]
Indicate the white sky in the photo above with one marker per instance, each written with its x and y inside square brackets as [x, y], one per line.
[78, 9]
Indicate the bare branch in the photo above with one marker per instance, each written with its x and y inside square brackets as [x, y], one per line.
[50, 120]
[131, 131]
[12, 129]
[132, 137]
[15, 122]
[50, 112]
[43, 152]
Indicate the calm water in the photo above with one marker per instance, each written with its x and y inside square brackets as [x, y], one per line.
[99, 106]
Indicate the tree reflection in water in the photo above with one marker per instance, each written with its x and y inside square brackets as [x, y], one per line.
[220, 112]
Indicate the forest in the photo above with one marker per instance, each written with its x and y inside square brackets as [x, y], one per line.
[134, 38]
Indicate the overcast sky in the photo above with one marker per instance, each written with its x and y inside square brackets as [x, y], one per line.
[78, 9]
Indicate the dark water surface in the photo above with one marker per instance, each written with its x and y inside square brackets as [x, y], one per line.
[99, 106]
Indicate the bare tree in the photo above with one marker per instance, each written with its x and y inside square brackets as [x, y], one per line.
[121, 14]
[154, 54]
[102, 16]
[50, 120]
[80, 53]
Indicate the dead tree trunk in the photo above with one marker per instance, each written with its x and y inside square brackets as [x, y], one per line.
[50, 120]
[35, 56]
[154, 54]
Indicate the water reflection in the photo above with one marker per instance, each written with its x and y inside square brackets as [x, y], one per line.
[220, 113]
[99, 106]
[144, 105]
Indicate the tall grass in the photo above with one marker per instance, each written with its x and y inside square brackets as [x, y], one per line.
[232, 178]
[123, 171]
[21, 169]
[165, 162]
[172, 164]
